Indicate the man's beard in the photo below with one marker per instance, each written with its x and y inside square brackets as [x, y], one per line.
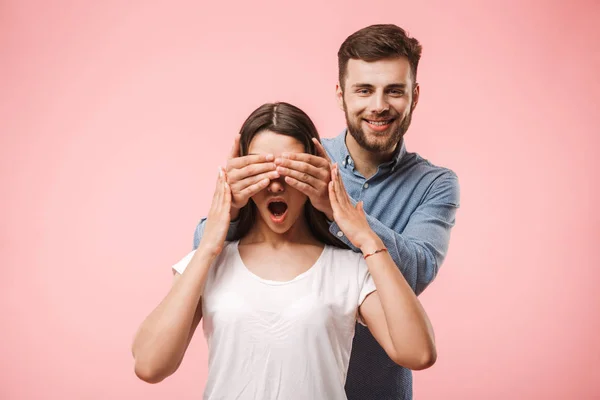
[385, 146]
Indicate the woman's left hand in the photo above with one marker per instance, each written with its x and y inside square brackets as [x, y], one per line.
[351, 220]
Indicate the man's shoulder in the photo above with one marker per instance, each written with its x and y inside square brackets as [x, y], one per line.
[441, 182]
[332, 145]
[414, 163]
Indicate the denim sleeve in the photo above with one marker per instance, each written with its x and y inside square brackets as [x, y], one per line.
[422, 247]
[200, 230]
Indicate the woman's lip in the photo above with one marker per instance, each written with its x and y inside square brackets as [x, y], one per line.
[279, 218]
[276, 200]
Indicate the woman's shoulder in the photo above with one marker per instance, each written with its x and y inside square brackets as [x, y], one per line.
[229, 249]
[345, 267]
[344, 256]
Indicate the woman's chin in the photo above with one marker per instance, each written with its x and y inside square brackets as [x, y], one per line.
[279, 228]
[279, 223]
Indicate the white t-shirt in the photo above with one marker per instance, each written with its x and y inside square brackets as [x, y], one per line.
[281, 340]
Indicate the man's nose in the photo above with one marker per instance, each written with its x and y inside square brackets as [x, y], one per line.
[379, 103]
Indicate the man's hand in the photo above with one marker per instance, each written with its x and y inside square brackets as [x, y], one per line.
[310, 175]
[247, 176]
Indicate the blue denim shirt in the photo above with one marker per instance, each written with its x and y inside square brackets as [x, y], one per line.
[411, 204]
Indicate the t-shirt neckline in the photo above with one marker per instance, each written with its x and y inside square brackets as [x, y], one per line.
[303, 275]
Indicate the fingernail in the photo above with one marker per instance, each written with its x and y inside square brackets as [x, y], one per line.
[278, 160]
[269, 157]
[220, 172]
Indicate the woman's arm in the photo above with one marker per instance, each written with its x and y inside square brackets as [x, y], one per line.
[162, 339]
[392, 313]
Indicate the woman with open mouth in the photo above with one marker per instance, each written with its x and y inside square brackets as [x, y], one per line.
[280, 301]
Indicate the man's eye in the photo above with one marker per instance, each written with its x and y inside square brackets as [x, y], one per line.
[362, 91]
[397, 93]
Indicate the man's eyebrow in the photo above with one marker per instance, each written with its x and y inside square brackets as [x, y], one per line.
[390, 86]
[362, 85]
[396, 86]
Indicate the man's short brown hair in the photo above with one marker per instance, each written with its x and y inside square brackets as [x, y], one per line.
[377, 42]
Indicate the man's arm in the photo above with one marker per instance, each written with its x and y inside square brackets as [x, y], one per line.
[421, 248]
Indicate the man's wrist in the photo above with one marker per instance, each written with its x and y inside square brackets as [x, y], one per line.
[329, 215]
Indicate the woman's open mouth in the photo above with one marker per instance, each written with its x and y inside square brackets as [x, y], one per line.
[278, 209]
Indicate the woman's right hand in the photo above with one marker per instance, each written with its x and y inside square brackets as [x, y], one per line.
[219, 217]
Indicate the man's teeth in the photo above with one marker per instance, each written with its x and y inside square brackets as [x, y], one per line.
[379, 123]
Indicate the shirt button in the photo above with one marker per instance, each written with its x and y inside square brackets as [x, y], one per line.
[340, 234]
[366, 185]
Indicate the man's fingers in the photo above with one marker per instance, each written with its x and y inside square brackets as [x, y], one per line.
[302, 177]
[315, 161]
[235, 149]
[241, 162]
[253, 189]
[320, 173]
[321, 150]
[241, 185]
[251, 170]
[308, 190]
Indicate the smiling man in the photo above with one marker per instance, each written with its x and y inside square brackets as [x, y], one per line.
[410, 203]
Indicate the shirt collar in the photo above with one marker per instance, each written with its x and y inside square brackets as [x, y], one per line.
[345, 158]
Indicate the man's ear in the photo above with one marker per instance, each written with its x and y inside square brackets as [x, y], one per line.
[339, 93]
[415, 96]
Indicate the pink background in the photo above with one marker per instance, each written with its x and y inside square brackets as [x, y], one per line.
[114, 118]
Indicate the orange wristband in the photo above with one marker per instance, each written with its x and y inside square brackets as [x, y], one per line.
[375, 252]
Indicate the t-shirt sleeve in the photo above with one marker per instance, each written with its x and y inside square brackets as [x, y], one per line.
[183, 263]
[366, 285]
